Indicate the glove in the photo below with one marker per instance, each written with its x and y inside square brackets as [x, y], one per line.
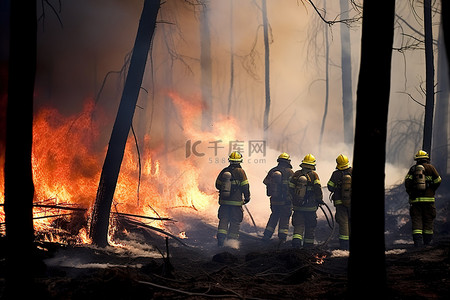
[247, 200]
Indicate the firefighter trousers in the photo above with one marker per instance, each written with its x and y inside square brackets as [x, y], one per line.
[422, 218]
[280, 215]
[304, 223]
[230, 218]
[343, 219]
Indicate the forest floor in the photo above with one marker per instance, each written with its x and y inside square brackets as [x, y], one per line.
[138, 268]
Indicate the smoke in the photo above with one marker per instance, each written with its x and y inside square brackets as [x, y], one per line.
[97, 36]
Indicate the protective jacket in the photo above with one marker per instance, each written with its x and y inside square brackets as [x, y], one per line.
[313, 196]
[239, 186]
[283, 196]
[432, 180]
[335, 185]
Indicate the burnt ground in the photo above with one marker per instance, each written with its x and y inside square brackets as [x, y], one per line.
[139, 268]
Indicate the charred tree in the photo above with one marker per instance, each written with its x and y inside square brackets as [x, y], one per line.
[206, 66]
[445, 19]
[346, 66]
[122, 125]
[367, 209]
[429, 67]
[266, 69]
[19, 187]
[327, 78]
[440, 121]
[230, 91]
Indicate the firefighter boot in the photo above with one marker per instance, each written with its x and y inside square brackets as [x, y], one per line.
[296, 243]
[220, 239]
[267, 235]
[427, 238]
[344, 244]
[418, 240]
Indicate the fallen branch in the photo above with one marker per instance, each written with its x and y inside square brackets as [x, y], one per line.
[140, 216]
[59, 207]
[189, 293]
[158, 230]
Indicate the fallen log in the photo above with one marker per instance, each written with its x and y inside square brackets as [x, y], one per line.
[141, 216]
[140, 224]
[59, 207]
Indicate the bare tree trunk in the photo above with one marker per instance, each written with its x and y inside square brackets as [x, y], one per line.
[230, 91]
[346, 65]
[445, 19]
[327, 81]
[440, 124]
[122, 124]
[367, 209]
[267, 69]
[19, 187]
[429, 66]
[206, 67]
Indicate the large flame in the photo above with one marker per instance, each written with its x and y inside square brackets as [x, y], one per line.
[67, 168]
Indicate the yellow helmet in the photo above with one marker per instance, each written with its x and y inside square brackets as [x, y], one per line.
[421, 155]
[236, 157]
[284, 156]
[342, 162]
[309, 160]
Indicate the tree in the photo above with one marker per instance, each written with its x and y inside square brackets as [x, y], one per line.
[367, 211]
[440, 121]
[327, 78]
[122, 125]
[19, 187]
[429, 67]
[267, 69]
[346, 66]
[206, 66]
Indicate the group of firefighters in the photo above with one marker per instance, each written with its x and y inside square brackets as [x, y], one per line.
[300, 194]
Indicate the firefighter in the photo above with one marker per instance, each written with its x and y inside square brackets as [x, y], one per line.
[340, 185]
[234, 191]
[421, 183]
[306, 193]
[277, 185]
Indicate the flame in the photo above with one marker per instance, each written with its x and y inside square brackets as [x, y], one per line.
[320, 259]
[67, 164]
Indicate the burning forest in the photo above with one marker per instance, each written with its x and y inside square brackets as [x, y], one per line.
[118, 120]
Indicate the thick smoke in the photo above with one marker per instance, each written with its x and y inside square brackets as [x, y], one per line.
[96, 37]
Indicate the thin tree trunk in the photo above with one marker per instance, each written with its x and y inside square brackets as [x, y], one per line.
[367, 209]
[230, 91]
[429, 66]
[445, 19]
[122, 124]
[19, 187]
[327, 79]
[346, 66]
[206, 67]
[440, 124]
[267, 69]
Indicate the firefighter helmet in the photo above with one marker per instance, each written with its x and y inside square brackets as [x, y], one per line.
[421, 155]
[284, 156]
[235, 157]
[308, 161]
[342, 162]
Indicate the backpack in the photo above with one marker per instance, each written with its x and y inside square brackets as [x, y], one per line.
[346, 189]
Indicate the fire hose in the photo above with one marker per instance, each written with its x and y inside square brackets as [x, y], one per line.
[332, 225]
[253, 220]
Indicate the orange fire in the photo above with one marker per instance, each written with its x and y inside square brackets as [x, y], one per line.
[320, 259]
[67, 166]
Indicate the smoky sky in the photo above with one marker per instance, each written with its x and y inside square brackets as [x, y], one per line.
[79, 42]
